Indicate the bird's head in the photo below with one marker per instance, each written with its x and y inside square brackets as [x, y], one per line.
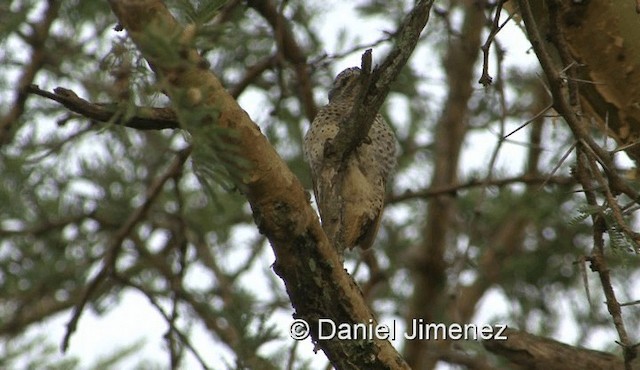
[346, 84]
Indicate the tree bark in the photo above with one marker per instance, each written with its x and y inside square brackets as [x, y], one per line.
[316, 282]
[533, 352]
[429, 267]
[601, 39]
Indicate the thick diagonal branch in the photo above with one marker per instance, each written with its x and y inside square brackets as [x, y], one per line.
[315, 280]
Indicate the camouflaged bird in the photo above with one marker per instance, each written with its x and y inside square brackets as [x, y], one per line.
[350, 198]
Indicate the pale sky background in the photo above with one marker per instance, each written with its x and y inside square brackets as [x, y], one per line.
[134, 319]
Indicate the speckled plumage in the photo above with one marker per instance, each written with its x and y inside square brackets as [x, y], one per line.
[354, 213]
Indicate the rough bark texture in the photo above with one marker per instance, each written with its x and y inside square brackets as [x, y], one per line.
[315, 280]
[534, 352]
[601, 37]
[579, 46]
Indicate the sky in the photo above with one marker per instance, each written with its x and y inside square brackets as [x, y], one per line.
[133, 319]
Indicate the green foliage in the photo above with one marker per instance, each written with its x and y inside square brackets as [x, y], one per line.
[39, 353]
[69, 185]
[198, 12]
[34, 353]
[11, 19]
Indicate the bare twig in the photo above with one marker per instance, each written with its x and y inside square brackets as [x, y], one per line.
[565, 103]
[585, 280]
[473, 183]
[527, 122]
[557, 166]
[597, 258]
[568, 73]
[632, 303]
[377, 274]
[324, 58]
[251, 74]
[486, 79]
[599, 265]
[502, 120]
[144, 119]
[291, 51]
[613, 205]
[169, 318]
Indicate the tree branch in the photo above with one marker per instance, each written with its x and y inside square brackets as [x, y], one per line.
[535, 352]
[251, 74]
[587, 148]
[37, 59]
[496, 27]
[291, 51]
[356, 127]
[453, 189]
[144, 119]
[112, 250]
[316, 282]
[562, 105]
[428, 265]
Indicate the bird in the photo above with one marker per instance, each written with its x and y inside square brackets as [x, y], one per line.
[349, 195]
